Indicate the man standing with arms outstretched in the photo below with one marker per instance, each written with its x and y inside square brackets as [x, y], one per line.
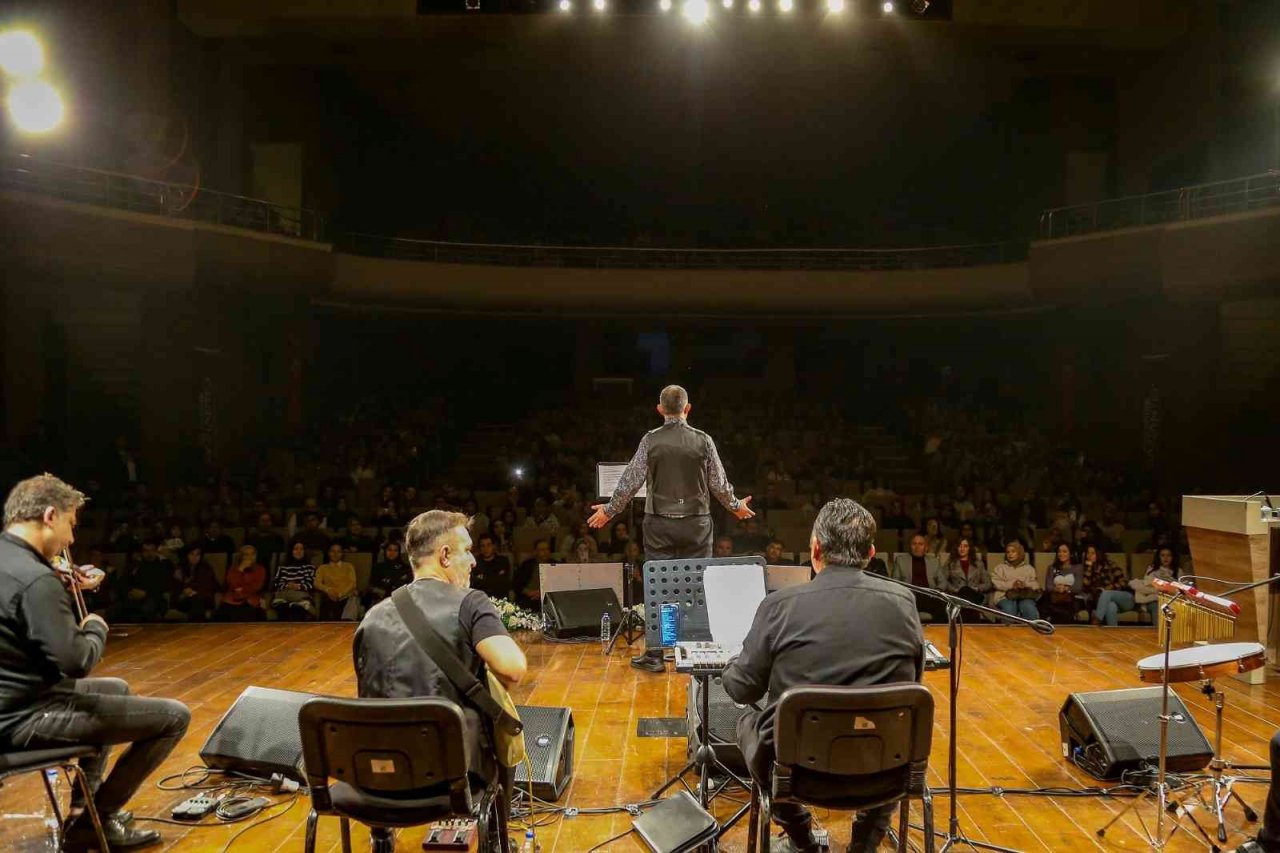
[682, 469]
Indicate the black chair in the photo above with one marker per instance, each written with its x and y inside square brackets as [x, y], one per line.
[395, 763]
[851, 749]
[65, 758]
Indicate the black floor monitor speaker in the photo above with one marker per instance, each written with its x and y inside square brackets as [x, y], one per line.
[1111, 732]
[548, 739]
[723, 730]
[577, 612]
[259, 735]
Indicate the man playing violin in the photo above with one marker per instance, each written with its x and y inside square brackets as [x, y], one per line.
[46, 654]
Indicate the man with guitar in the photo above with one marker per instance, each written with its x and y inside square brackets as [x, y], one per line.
[47, 651]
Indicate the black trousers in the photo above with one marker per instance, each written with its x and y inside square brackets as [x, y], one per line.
[673, 538]
[869, 827]
[1269, 836]
[102, 712]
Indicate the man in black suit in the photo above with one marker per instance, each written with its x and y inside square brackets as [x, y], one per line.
[794, 640]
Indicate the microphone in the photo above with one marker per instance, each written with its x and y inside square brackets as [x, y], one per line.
[1043, 626]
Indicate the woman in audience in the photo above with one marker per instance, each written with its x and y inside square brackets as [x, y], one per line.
[584, 550]
[387, 576]
[172, 544]
[194, 588]
[1064, 586]
[935, 542]
[1016, 584]
[1097, 578]
[242, 589]
[967, 573]
[501, 535]
[336, 581]
[1164, 567]
[619, 539]
[388, 513]
[294, 585]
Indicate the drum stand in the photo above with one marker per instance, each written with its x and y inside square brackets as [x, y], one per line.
[1220, 785]
[1158, 839]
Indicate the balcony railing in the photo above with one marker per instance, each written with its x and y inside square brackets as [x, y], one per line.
[645, 258]
[182, 201]
[1197, 202]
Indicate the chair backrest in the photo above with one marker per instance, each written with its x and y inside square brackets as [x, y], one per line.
[363, 564]
[853, 731]
[217, 562]
[386, 747]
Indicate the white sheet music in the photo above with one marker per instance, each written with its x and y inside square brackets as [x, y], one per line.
[607, 476]
[734, 593]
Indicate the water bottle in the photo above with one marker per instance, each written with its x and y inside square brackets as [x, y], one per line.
[605, 633]
[530, 844]
[52, 828]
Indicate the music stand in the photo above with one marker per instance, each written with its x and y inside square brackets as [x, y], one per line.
[680, 582]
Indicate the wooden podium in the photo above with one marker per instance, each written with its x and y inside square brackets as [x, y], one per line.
[1229, 539]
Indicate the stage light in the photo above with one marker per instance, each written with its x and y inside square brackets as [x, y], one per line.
[835, 7]
[753, 5]
[695, 11]
[36, 106]
[566, 6]
[728, 4]
[517, 472]
[919, 6]
[21, 54]
[888, 7]
[664, 5]
[598, 4]
[786, 5]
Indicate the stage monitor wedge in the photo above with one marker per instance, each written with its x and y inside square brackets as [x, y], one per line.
[1111, 732]
[576, 612]
[259, 735]
[548, 739]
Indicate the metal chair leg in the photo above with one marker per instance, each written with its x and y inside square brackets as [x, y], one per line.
[346, 834]
[903, 815]
[753, 818]
[309, 845]
[926, 806]
[53, 799]
[502, 810]
[77, 772]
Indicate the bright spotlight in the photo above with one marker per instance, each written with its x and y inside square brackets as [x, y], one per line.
[696, 11]
[888, 7]
[21, 54]
[728, 4]
[565, 6]
[919, 6]
[786, 5]
[753, 5]
[664, 5]
[835, 6]
[598, 4]
[35, 106]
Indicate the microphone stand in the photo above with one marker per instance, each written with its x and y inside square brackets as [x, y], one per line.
[953, 836]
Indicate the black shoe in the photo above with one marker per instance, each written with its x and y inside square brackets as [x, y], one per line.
[81, 837]
[783, 844]
[121, 817]
[649, 663]
[1250, 846]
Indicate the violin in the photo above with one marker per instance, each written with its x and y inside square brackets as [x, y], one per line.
[76, 579]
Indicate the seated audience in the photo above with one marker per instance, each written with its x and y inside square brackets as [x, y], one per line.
[922, 568]
[750, 539]
[967, 575]
[1098, 576]
[391, 664]
[293, 585]
[312, 536]
[242, 589]
[336, 583]
[794, 639]
[1063, 586]
[618, 538]
[214, 541]
[1016, 584]
[584, 550]
[528, 579]
[723, 547]
[144, 586]
[492, 574]
[387, 576]
[633, 568]
[896, 519]
[355, 540]
[935, 541]
[773, 555]
[264, 538]
[1165, 567]
[194, 586]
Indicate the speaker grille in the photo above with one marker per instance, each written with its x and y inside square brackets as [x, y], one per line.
[258, 734]
[548, 739]
[1119, 730]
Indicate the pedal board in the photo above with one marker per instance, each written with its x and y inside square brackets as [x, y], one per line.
[450, 835]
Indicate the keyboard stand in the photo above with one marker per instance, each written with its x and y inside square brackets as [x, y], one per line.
[705, 761]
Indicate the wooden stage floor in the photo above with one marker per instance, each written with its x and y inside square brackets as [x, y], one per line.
[1014, 684]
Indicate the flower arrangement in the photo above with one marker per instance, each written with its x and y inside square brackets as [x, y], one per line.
[516, 618]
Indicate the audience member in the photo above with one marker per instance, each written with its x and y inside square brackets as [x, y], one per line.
[293, 585]
[336, 583]
[773, 555]
[528, 578]
[144, 586]
[214, 541]
[312, 536]
[355, 540]
[1016, 584]
[1063, 586]
[967, 575]
[1164, 567]
[194, 586]
[723, 547]
[387, 576]
[265, 539]
[242, 589]
[1098, 578]
[492, 573]
[921, 567]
